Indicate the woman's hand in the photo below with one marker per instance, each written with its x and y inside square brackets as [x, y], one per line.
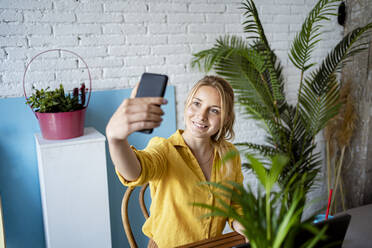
[135, 114]
[132, 115]
[239, 229]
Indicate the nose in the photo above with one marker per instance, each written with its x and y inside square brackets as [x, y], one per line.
[202, 114]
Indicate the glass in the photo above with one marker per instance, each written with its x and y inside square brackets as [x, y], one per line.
[321, 217]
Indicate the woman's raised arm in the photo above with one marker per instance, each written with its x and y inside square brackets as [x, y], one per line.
[132, 115]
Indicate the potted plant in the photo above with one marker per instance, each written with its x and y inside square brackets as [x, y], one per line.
[271, 219]
[60, 115]
[255, 73]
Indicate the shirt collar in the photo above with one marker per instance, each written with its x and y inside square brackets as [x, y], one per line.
[176, 139]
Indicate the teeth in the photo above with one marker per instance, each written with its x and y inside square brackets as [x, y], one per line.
[199, 125]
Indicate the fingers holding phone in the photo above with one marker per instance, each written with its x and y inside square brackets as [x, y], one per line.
[135, 114]
[134, 91]
[142, 113]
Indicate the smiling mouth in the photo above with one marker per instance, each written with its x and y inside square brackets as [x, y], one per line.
[198, 125]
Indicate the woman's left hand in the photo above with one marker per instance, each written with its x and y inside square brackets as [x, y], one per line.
[239, 229]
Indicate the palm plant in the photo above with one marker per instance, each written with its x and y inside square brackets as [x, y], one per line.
[268, 218]
[255, 73]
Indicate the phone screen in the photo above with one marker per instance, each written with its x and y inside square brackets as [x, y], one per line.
[152, 85]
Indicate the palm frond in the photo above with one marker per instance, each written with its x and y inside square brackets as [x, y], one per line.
[308, 163]
[229, 57]
[252, 25]
[318, 110]
[346, 48]
[305, 41]
[243, 72]
[276, 80]
[248, 86]
[264, 150]
[253, 93]
[222, 48]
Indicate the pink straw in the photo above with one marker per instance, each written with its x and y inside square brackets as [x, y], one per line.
[329, 203]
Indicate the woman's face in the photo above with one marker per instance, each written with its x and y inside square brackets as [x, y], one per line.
[203, 115]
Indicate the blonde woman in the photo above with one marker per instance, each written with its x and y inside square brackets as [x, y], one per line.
[174, 167]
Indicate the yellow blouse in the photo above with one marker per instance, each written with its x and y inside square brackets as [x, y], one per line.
[174, 175]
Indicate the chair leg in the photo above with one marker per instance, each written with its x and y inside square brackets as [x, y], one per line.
[142, 202]
[124, 214]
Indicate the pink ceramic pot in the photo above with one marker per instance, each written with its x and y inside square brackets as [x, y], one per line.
[63, 125]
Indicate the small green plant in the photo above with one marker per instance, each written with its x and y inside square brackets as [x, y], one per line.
[271, 219]
[54, 101]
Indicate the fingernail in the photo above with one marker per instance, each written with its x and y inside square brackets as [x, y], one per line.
[165, 101]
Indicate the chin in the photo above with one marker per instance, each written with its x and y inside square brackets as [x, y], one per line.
[202, 134]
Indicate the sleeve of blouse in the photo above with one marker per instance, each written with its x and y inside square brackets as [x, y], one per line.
[153, 162]
[239, 179]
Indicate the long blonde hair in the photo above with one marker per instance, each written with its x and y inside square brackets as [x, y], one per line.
[226, 93]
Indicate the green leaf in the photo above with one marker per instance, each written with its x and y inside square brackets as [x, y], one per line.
[259, 169]
[229, 155]
[278, 163]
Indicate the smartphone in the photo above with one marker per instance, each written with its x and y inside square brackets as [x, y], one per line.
[151, 85]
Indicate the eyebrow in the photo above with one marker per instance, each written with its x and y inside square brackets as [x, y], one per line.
[214, 106]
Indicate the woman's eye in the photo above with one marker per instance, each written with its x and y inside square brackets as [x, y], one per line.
[196, 103]
[215, 111]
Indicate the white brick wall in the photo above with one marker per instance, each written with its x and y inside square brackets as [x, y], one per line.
[122, 39]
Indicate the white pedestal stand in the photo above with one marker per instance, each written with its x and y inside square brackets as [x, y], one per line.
[74, 192]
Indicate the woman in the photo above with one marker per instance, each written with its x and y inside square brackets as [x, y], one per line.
[176, 166]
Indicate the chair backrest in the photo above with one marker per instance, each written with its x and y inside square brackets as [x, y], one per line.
[124, 212]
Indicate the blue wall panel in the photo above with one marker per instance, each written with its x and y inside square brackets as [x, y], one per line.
[19, 182]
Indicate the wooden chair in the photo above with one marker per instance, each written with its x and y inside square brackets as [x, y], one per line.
[124, 212]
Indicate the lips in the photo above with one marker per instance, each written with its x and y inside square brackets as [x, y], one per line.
[199, 125]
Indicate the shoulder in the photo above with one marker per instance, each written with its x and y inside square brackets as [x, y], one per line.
[161, 142]
[157, 143]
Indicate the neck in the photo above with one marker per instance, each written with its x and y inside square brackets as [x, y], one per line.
[198, 145]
